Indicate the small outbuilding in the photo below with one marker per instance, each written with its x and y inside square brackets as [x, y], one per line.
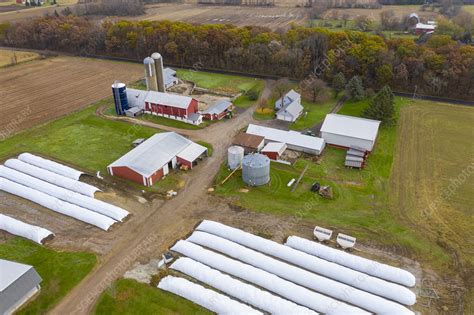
[274, 150]
[348, 131]
[218, 110]
[153, 159]
[250, 143]
[170, 77]
[18, 284]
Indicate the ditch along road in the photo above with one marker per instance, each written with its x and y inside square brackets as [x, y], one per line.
[149, 236]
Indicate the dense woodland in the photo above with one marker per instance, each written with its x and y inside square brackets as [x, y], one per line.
[440, 66]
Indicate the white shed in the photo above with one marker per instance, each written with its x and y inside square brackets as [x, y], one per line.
[346, 131]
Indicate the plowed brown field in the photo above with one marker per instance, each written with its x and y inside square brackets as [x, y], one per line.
[39, 91]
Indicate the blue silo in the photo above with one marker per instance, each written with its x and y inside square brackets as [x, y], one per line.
[119, 90]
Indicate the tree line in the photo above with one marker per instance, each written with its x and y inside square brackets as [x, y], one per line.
[439, 66]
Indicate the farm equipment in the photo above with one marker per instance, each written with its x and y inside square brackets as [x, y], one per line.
[315, 187]
[325, 192]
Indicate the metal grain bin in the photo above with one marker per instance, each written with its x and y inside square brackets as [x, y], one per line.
[256, 169]
[119, 90]
[235, 154]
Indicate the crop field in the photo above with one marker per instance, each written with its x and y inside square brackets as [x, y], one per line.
[10, 57]
[42, 90]
[432, 179]
[60, 271]
[272, 17]
[374, 14]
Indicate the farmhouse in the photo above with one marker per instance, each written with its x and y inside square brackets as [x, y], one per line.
[347, 131]
[422, 28]
[250, 143]
[18, 283]
[287, 99]
[218, 110]
[289, 106]
[293, 139]
[274, 150]
[154, 158]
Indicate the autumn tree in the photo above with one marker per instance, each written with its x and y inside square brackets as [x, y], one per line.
[282, 86]
[339, 83]
[315, 89]
[381, 107]
[355, 89]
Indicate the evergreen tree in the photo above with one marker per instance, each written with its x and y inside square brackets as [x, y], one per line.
[355, 89]
[339, 82]
[381, 107]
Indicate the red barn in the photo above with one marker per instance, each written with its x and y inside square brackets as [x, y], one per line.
[170, 105]
[153, 159]
[218, 110]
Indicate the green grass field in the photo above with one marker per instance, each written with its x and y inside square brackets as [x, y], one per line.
[315, 114]
[219, 82]
[133, 298]
[81, 139]
[60, 271]
[360, 204]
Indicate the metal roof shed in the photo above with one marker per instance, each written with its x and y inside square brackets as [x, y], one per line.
[293, 139]
[348, 131]
[18, 283]
[274, 150]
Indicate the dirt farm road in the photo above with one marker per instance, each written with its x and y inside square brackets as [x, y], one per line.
[153, 234]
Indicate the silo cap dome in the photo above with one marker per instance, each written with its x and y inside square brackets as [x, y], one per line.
[148, 61]
[156, 55]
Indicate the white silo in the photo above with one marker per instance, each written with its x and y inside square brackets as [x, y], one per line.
[159, 72]
[150, 74]
[235, 154]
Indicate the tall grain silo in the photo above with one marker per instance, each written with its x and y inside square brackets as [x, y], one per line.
[256, 169]
[159, 71]
[150, 74]
[119, 90]
[235, 154]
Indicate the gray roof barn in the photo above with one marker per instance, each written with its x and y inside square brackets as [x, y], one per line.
[218, 107]
[18, 283]
[170, 77]
[157, 151]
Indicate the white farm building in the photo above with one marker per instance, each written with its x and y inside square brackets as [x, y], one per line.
[348, 131]
[18, 283]
[289, 107]
[293, 139]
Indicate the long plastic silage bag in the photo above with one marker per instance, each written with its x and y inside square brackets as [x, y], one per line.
[314, 264]
[237, 289]
[332, 288]
[52, 203]
[50, 165]
[52, 178]
[355, 262]
[266, 280]
[16, 227]
[63, 194]
[207, 298]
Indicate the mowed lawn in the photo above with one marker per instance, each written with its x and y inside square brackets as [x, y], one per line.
[133, 298]
[81, 139]
[219, 82]
[361, 197]
[60, 271]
